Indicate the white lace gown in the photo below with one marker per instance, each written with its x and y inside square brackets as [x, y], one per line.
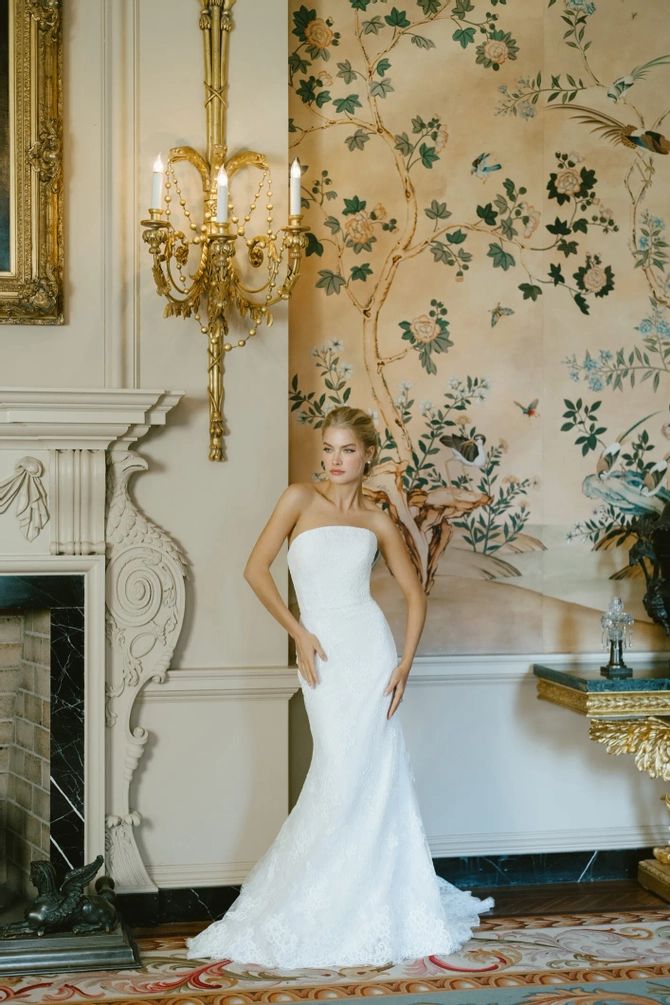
[349, 879]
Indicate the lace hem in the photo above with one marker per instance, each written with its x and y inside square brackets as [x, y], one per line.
[418, 935]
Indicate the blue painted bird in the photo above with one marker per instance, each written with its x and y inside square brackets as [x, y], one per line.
[617, 132]
[481, 169]
[623, 84]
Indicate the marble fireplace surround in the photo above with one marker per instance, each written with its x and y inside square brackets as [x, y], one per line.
[66, 459]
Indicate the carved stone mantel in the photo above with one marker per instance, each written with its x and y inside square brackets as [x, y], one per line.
[65, 464]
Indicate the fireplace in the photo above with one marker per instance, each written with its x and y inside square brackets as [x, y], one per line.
[88, 577]
[42, 751]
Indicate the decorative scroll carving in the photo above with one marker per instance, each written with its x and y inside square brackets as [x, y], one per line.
[145, 610]
[647, 739]
[31, 498]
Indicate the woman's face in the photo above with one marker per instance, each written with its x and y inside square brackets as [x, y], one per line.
[343, 455]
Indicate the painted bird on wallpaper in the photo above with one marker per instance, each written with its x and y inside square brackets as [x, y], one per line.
[481, 169]
[469, 450]
[529, 410]
[608, 459]
[653, 479]
[615, 131]
[623, 84]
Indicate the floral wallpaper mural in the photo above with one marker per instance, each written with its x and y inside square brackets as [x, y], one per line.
[487, 195]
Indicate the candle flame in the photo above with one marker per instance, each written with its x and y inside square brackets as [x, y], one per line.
[158, 164]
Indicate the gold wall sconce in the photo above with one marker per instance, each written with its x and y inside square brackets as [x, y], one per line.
[197, 269]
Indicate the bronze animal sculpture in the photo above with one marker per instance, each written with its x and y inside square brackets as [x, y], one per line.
[66, 908]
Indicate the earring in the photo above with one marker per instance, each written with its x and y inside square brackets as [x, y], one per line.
[366, 467]
[323, 466]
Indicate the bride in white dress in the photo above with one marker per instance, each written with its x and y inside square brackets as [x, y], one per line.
[349, 879]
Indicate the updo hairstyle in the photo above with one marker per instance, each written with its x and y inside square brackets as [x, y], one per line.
[360, 424]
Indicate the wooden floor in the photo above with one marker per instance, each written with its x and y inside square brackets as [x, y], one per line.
[560, 898]
[549, 898]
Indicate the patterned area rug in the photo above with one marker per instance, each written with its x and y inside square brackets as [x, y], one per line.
[569, 959]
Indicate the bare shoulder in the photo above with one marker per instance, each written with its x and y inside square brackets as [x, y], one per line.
[298, 493]
[383, 525]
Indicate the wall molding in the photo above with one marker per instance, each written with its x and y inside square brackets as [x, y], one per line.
[570, 839]
[203, 684]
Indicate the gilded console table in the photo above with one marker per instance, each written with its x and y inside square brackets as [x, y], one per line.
[630, 716]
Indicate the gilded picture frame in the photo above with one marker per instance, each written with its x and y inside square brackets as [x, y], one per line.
[31, 166]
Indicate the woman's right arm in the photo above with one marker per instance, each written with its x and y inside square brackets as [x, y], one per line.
[257, 573]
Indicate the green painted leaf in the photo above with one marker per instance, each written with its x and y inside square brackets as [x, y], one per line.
[373, 26]
[361, 271]
[501, 258]
[429, 6]
[348, 104]
[558, 227]
[428, 155]
[530, 291]
[581, 303]
[380, 88]
[382, 66]
[465, 36]
[333, 224]
[346, 71]
[357, 140]
[330, 281]
[403, 144]
[397, 18]
[301, 18]
[456, 236]
[437, 211]
[422, 43]
[508, 185]
[488, 214]
[556, 274]
[359, 4]
[581, 224]
[322, 98]
[353, 205]
[314, 246]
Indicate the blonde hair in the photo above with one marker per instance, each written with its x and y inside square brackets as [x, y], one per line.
[360, 424]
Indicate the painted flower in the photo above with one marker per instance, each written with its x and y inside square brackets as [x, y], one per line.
[568, 182]
[581, 6]
[406, 385]
[358, 228]
[440, 140]
[346, 371]
[594, 278]
[525, 110]
[336, 344]
[503, 446]
[379, 212]
[426, 407]
[425, 329]
[318, 34]
[530, 218]
[498, 48]
[325, 78]
[510, 480]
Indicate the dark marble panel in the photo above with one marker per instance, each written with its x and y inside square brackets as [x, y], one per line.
[588, 677]
[67, 735]
[18, 592]
[203, 903]
[541, 867]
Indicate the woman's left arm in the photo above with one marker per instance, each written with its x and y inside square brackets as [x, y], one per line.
[400, 565]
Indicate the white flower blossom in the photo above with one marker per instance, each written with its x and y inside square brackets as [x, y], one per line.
[336, 345]
[425, 407]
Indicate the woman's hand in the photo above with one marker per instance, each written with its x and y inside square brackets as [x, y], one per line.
[397, 685]
[306, 645]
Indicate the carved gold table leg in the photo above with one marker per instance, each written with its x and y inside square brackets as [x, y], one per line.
[648, 739]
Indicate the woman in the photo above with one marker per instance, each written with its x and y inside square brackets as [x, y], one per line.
[349, 880]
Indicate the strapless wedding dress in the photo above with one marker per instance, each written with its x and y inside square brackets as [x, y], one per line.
[349, 878]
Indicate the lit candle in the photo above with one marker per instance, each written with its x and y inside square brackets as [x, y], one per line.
[294, 201]
[157, 184]
[222, 196]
